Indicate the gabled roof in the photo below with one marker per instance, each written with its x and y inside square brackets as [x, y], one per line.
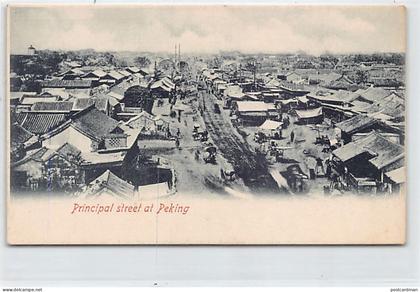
[65, 95]
[160, 84]
[391, 108]
[83, 103]
[307, 114]
[96, 73]
[125, 73]
[382, 151]
[31, 100]
[43, 154]
[19, 135]
[114, 75]
[356, 123]
[140, 115]
[40, 123]
[345, 95]
[254, 106]
[40, 155]
[270, 125]
[94, 123]
[110, 184]
[164, 83]
[52, 106]
[342, 83]
[68, 149]
[68, 84]
[395, 97]
[374, 93]
[133, 69]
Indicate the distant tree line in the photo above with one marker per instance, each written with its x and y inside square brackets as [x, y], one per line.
[378, 58]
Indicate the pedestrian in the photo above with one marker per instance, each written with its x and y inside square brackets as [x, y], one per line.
[177, 143]
[334, 181]
[292, 136]
[178, 132]
[328, 170]
[319, 166]
[345, 176]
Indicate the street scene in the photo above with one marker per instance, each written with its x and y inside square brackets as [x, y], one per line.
[94, 123]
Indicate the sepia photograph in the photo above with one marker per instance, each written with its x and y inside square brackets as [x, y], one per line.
[232, 124]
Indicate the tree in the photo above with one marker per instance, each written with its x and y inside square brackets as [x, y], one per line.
[361, 77]
[252, 65]
[142, 61]
[137, 96]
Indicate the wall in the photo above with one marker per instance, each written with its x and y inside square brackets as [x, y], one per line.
[72, 136]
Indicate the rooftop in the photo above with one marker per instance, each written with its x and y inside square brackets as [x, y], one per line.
[57, 83]
[94, 123]
[356, 123]
[383, 151]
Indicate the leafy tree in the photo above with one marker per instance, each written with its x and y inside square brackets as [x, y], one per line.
[137, 96]
[142, 61]
[361, 77]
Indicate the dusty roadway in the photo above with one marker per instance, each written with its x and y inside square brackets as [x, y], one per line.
[194, 177]
[252, 168]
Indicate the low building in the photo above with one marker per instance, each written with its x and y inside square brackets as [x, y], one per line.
[366, 161]
[363, 124]
[309, 116]
[71, 86]
[108, 185]
[39, 123]
[52, 107]
[49, 170]
[89, 130]
[149, 125]
[162, 88]
[101, 104]
[254, 112]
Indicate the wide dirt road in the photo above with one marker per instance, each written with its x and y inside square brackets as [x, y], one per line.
[249, 165]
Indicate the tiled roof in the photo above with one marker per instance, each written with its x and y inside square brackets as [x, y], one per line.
[53, 106]
[40, 123]
[57, 83]
[30, 100]
[94, 123]
[18, 135]
[82, 103]
[356, 123]
[67, 149]
[114, 75]
[383, 151]
[110, 184]
[375, 93]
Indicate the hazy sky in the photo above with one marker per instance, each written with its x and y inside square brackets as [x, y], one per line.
[210, 28]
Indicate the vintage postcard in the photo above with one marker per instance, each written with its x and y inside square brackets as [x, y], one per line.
[237, 124]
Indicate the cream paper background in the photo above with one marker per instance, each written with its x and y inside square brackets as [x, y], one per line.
[340, 220]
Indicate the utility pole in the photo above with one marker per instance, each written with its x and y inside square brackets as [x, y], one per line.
[175, 57]
[179, 57]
